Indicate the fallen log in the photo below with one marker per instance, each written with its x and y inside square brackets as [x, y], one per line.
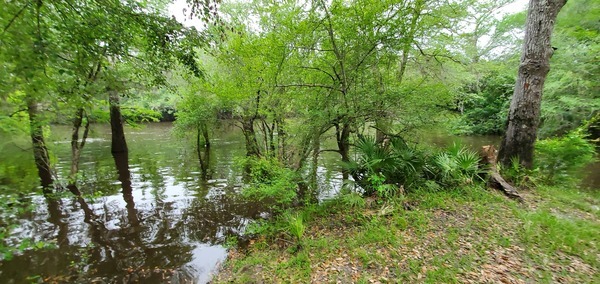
[489, 156]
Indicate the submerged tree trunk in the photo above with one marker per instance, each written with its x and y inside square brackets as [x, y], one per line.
[203, 153]
[76, 148]
[205, 135]
[524, 114]
[40, 152]
[119, 144]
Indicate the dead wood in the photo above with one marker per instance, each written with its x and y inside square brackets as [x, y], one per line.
[489, 156]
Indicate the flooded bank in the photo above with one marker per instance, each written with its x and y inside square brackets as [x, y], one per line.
[157, 215]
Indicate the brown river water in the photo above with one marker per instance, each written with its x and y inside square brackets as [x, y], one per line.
[152, 218]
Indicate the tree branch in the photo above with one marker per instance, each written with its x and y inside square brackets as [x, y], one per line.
[318, 69]
[15, 17]
[309, 85]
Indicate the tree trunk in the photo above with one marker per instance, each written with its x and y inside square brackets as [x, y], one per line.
[316, 145]
[76, 148]
[119, 144]
[205, 135]
[40, 152]
[343, 142]
[495, 180]
[281, 140]
[203, 153]
[252, 149]
[524, 113]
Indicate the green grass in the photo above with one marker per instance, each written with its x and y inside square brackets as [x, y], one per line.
[454, 236]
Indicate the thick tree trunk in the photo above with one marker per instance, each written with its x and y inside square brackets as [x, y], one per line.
[524, 114]
[40, 152]
[252, 149]
[119, 144]
[381, 127]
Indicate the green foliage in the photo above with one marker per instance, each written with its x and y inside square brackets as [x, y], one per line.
[385, 167]
[455, 166]
[269, 180]
[517, 174]
[593, 127]
[486, 105]
[572, 89]
[294, 225]
[132, 115]
[231, 242]
[561, 159]
[383, 190]
[389, 167]
[352, 201]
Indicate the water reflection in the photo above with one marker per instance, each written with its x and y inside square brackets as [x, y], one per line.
[157, 214]
[162, 218]
[122, 165]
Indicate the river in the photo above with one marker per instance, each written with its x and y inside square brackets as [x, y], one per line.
[153, 219]
[167, 222]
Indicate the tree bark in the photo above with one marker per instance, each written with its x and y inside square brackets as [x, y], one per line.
[252, 149]
[343, 141]
[119, 144]
[76, 148]
[40, 152]
[206, 135]
[281, 140]
[524, 113]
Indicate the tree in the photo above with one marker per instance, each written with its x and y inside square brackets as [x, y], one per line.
[572, 91]
[55, 60]
[524, 113]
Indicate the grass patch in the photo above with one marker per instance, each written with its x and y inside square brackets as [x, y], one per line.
[454, 236]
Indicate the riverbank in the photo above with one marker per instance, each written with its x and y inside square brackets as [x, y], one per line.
[470, 235]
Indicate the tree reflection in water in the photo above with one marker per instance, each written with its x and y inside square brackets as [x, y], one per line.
[165, 224]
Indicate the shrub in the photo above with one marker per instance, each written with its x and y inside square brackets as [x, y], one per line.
[560, 159]
[269, 180]
[294, 225]
[382, 169]
[352, 201]
[485, 104]
[456, 165]
[138, 114]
